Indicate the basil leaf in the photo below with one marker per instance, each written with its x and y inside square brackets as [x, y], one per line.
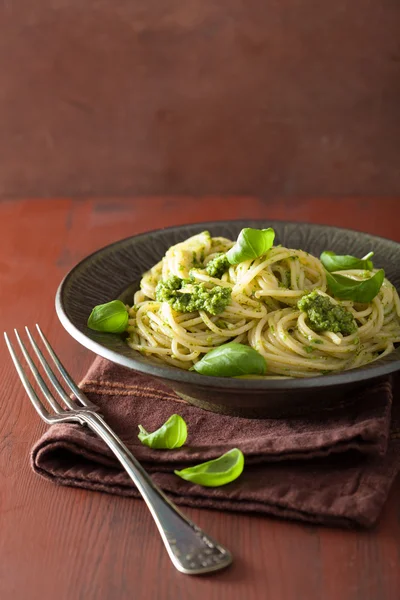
[337, 262]
[214, 473]
[111, 317]
[230, 360]
[345, 288]
[251, 243]
[171, 435]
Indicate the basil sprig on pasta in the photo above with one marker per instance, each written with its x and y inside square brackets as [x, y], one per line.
[346, 288]
[111, 317]
[214, 473]
[251, 244]
[337, 262]
[231, 360]
[171, 435]
[196, 310]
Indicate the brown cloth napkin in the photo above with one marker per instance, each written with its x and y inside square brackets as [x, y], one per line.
[334, 468]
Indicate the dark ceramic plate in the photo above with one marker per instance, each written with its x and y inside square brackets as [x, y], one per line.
[115, 271]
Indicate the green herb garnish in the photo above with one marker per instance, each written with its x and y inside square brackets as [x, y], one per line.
[171, 435]
[111, 317]
[214, 473]
[346, 288]
[230, 360]
[337, 262]
[251, 244]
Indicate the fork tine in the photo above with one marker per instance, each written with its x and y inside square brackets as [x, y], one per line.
[40, 381]
[56, 384]
[70, 382]
[25, 382]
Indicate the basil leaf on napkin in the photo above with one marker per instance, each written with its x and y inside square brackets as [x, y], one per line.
[251, 243]
[337, 262]
[230, 360]
[111, 317]
[363, 291]
[171, 435]
[214, 473]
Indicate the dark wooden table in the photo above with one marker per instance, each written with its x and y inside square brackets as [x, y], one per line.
[66, 543]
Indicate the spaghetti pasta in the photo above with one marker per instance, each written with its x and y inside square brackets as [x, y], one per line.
[262, 312]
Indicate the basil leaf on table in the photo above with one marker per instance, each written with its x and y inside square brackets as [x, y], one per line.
[111, 317]
[363, 291]
[230, 360]
[251, 243]
[214, 473]
[337, 262]
[171, 435]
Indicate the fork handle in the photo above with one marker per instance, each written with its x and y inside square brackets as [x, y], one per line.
[191, 550]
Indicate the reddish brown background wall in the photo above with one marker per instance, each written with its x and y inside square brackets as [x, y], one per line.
[266, 97]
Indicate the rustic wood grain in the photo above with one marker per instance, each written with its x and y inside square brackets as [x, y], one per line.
[68, 543]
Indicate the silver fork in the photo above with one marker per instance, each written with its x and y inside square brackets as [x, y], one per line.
[190, 549]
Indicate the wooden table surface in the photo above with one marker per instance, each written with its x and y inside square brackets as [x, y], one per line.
[67, 543]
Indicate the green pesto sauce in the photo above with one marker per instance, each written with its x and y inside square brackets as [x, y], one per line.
[197, 264]
[221, 324]
[198, 297]
[217, 266]
[324, 315]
